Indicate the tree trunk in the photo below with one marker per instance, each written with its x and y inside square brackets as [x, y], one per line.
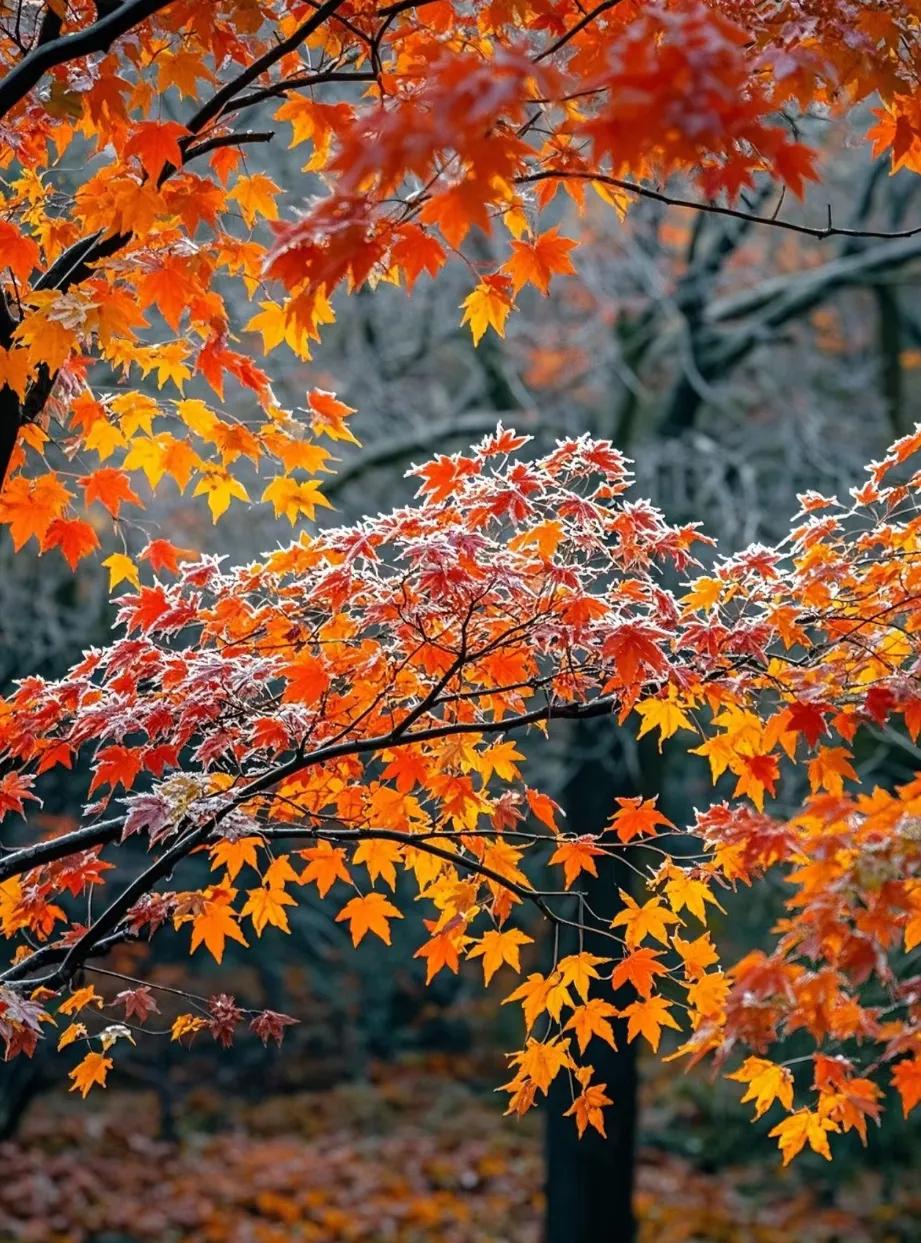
[589, 1182]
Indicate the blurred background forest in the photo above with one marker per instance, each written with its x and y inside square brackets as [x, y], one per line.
[738, 366]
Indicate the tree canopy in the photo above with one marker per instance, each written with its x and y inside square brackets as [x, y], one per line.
[347, 712]
[137, 222]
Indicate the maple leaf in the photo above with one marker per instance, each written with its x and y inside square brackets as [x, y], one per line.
[266, 906]
[370, 913]
[704, 594]
[417, 251]
[110, 487]
[307, 679]
[220, 488]
[164, 555]
[18, 252]
[637, 817]
[186, 1025]
[683, 890]
[380, 857]
[829, 769]
[79, 999]
[442, 949]
[328, 416]
[647, 1018]
[234, 854]
[326, 865]
[497, 947]
[543, 807]
[156, 144]
[537, 261]
[639, 922]
[906, 1079]
[74, 538]
[15, 789]
[577, 856]
[591, 1019]
[640, 969]
[579, 970]
[256, 196]
[75, 1031]
[758, 773]
[808, 719]
[121, 569]
[215, 923]
[801, 1127]
[116, 765]
[29, 506]
[91, 1071]
[488, 306]
[696, 955]
[539, 993]
[139, 1003]
[270, 1025]
[664, 715]
[587, 1108]
[766, 1082]
[542, 1060]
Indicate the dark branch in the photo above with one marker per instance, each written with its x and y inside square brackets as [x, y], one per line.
[736, 213]
[98, 37]
[29, 857]
[221, 98]
[108, 922]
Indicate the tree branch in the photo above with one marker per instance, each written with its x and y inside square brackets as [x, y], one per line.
[98, 37]
[29, 857]
[716, 209]
[108, 921]
[221, 98]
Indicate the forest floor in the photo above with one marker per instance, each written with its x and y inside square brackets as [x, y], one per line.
[410, 1156]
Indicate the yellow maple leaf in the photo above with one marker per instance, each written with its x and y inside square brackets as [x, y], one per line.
[380, 857]
[579, 970]
[662, 714]
[802, 1127]
[256, 197]
[292, 497]
[220, 487]
[683, 890]
[186, 1025]
[488, 306]
[121, 569]
[92, 1070]
[767, 1083]
[497, 947]
[267, 906]
[542, 1060]
[539, 993]
[639, 922]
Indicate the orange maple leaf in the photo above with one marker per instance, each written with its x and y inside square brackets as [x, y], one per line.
[91, 1071]
[370, 913]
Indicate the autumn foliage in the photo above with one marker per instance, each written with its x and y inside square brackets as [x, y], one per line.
[420, 125]
[349, 709]
[347, 713]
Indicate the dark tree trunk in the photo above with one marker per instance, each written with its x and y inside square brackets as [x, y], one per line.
[589, 1182]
